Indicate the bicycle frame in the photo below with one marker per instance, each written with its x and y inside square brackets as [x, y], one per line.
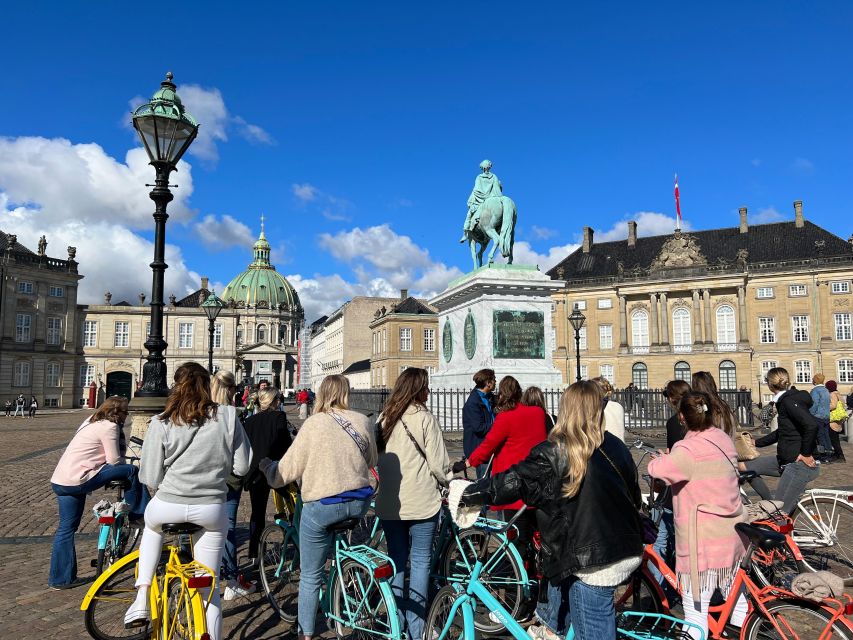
[807, 504]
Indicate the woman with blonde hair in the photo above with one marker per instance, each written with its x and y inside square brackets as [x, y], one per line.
[614, 413]
[583, 483]
[331, 459]
[189, 451]
[92, 459]
[413, 467]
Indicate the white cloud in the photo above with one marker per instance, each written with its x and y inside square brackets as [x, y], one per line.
[331, 207]
[223, 232]
[322, 294]
[803, 166]
[208, 107]
[379, 245]
[523, 253]
[765, 215]
[542, 233]
[649, 223]
[305, 192]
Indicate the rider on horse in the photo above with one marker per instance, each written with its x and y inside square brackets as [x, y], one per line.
[486, 186]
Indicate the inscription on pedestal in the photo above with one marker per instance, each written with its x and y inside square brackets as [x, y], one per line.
[519, 334]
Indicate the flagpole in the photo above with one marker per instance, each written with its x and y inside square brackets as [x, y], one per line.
[677, 206]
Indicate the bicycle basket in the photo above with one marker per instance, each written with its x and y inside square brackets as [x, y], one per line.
[652, 626]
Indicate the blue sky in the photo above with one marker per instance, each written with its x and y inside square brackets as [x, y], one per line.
[357, 129]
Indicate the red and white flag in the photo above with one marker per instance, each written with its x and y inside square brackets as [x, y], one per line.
[677, 204]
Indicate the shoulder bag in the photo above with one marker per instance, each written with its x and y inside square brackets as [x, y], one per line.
[648, 527]
[745, 446]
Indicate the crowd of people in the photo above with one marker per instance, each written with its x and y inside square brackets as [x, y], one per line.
[571, 472]
[20, 405]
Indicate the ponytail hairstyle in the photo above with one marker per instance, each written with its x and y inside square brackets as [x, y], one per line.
[721, 414]
[579, 431]
[412, 387]
[222, 387]
[190, 403]
[509, 394]
[778, 379]
[695, 411]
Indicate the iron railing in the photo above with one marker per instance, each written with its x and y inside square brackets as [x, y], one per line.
[645, 409]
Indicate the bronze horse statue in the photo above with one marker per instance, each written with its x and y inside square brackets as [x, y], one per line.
[496, 224]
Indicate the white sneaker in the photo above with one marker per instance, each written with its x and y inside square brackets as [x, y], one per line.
[234, 590]
[138, 614]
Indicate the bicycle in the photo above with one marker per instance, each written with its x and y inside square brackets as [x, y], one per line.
[178, 605]
[823, 530]
[357, 595]
[452, 613]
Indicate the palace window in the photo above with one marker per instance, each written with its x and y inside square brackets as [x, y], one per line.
[797, 290]
[582, 336]
[766, 365]
[640, 375]
[681, 330]
[87, 374]
[606, 372]
[767, 330]
[640, 329]
[185, 335]
[54, 330]
[22, 374]
[800, 328]
[239, 334]
[405, 339]
[763, 293]
[429, 339]
[726, 325]
[605, 303]
[845, 370]
[384, 349]
[51, 374]
[384, 377]
[25, 287]
[56, 292]
[728, 375]
[217, 336]
[840, 287]
[261, 333]
[584, 371]
[843, 327]
[122, 337]
[90, 333]
[605, 336]
[23, 324]
[803, 370]
[682, 371]
[580, 305]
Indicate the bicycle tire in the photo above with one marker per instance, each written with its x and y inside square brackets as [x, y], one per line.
[371, 597]
[181, 614]
[368, 532]
[769, 569]
[439, 614]
[805, 621]
[502, 577]
[836, 557]
[104, 618]
[639, 593]
[282, 591]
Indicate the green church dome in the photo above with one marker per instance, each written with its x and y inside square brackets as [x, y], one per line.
[261, 285]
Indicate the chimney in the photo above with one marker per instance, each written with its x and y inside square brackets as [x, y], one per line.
[632, 234]
[204, 282]
[744, 227]
[141, 299]
[798, 214]
[404, 293]
[108, 297]
[587, 239]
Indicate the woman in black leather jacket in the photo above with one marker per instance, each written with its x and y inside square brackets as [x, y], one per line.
[583, 483]
[795, 440]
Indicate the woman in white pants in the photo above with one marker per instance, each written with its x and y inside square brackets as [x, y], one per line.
[189, 451]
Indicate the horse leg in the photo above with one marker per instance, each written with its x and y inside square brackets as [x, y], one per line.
[480, 253]
[478, 260]
[496, 242]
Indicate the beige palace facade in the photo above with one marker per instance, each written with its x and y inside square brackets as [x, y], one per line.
[733, 301]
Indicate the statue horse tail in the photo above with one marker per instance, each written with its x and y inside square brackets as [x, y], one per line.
[507, 226]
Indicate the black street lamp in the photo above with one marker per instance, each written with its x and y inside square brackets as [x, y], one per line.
[577, 319]
[212, 306]
[166, 131]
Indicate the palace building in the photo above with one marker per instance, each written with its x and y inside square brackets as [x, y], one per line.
[734, 301]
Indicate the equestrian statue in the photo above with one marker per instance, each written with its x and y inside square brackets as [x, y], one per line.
[491, 218]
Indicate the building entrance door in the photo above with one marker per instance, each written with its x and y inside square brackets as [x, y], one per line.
[119, 383]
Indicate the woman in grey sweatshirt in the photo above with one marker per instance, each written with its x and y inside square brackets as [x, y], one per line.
[189, 451]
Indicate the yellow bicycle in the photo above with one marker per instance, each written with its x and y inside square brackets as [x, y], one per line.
[178, 604]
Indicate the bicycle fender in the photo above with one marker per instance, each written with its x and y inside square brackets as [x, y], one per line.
[103, 535]
[385, 589]
[370, 558]
[133, 556]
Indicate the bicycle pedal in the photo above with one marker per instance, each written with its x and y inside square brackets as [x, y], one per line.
[93, 563]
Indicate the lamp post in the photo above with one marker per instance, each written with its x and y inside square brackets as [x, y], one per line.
[212, 306]
[166, 131]
[577, 320]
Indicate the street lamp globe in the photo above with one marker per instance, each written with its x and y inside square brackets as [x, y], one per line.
[577, 320]
[212, 306]
[164, 126]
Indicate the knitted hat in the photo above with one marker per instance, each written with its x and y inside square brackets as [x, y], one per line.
[464, 517]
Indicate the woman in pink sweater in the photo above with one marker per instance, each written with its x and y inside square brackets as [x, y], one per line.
[706, 503]
[90, 461]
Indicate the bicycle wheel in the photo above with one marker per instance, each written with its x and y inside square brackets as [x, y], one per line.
[362, 607]
[501, 575]
[823, 529]
[279, 569]
[368, 532]
[181, 622]
[104, 619]
[638, 594]
[796, 620]
[776, 568]
[439, 614]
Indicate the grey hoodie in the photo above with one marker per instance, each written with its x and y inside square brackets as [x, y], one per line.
[190, 464]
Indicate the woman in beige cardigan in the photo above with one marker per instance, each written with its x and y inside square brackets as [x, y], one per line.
[412, 468]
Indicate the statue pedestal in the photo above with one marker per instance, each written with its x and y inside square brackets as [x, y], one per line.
[497, 317]
[141, 410]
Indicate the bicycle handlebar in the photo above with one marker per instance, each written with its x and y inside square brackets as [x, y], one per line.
[642, 446]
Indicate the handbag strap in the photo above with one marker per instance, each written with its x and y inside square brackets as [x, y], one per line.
[414, 442]
[618, 473]
[346, 425]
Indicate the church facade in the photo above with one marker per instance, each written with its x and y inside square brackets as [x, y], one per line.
[734, 301]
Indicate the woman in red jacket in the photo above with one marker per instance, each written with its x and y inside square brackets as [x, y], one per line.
[516, 430]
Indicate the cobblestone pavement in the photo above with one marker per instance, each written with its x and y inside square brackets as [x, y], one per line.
[29, 450]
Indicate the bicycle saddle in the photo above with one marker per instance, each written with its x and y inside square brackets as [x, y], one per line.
[344, 525]
[179, 528]
[762, 537]
[118, 484]
[746, 476]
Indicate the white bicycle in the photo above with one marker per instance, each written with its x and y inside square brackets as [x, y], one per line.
[823, 530]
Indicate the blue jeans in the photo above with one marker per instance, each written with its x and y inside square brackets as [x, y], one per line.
[411, 541]
[587, 609]
[823, 436]
[665, 543]
[72, 502]
[792, 483]
[229, 557]
[314, 544]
